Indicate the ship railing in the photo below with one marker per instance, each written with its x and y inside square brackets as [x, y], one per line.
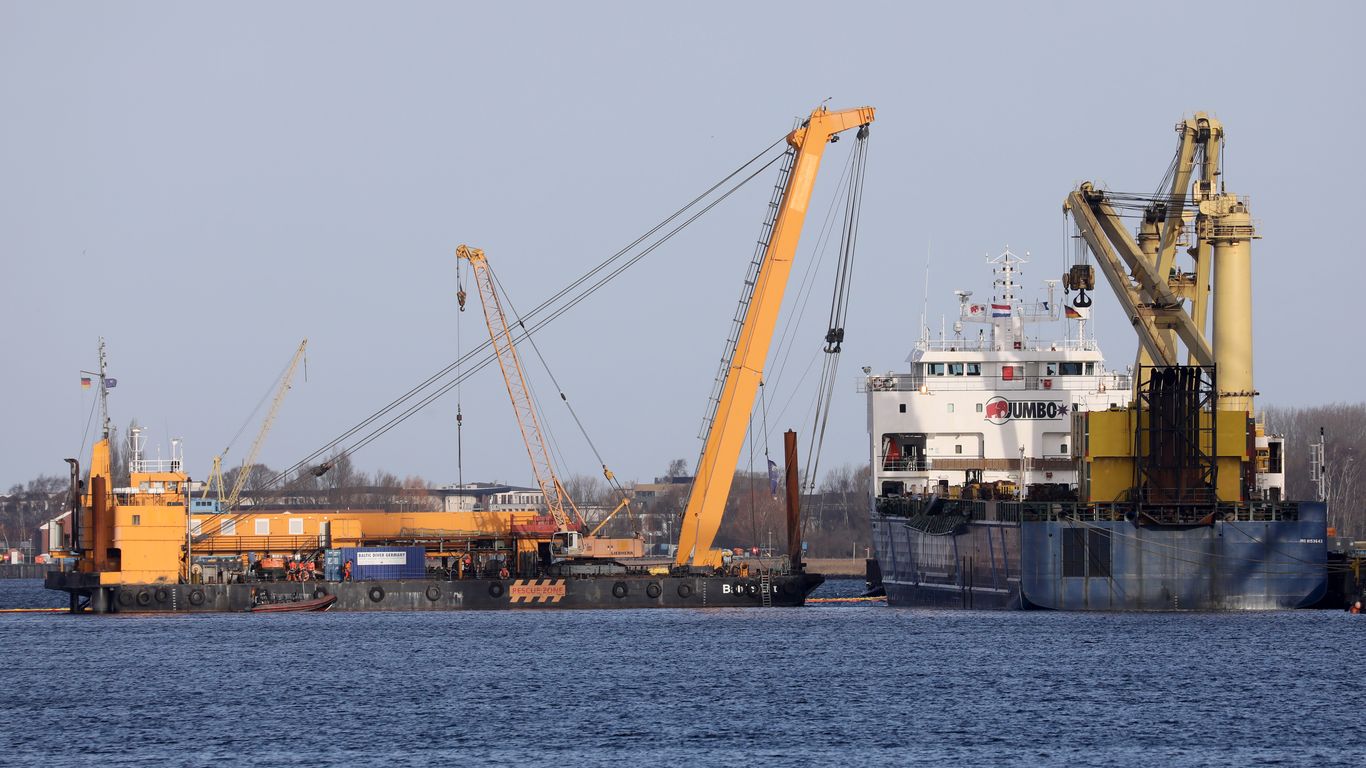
[903, 464]
[150, 466]
[911, 382]
[216, 543]
[1082, 512]
[987, 345]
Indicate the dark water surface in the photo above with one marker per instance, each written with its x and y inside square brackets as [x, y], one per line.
[832, 684]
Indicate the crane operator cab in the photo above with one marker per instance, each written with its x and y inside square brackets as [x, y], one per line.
[565, 543]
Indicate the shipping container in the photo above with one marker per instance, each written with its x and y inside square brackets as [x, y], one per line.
[332, 564]
[385, 563]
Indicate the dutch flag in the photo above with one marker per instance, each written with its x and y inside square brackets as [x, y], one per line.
[1000, 310]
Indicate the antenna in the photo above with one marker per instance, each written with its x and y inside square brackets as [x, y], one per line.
[925, 302]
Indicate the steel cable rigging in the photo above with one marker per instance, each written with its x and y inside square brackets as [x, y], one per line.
[544, 313]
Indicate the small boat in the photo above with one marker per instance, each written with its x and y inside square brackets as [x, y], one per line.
[316, 604]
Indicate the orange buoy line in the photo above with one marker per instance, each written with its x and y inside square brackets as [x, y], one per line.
[34, 610]
[846, 599]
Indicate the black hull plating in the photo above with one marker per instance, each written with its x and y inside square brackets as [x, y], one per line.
[431, 595]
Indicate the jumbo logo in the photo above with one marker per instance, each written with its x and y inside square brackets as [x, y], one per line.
[1000, 410]
[536, 591]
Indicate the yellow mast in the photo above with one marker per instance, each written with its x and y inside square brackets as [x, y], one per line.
[721, 453]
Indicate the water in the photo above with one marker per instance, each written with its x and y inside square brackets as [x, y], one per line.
[832, 684]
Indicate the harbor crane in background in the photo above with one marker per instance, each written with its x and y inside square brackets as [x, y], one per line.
[570, 535]
[747, 349]
[227, 503]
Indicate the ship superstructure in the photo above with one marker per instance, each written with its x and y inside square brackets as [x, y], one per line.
[991, 406]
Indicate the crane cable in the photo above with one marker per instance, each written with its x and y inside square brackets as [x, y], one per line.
[839, 309]
[546, 306]
[607, 473]
[460, 296]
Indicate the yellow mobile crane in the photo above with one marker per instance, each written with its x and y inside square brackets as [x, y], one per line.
[744, 368]
[569, 538]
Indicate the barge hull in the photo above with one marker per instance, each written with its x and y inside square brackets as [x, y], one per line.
[86, 593]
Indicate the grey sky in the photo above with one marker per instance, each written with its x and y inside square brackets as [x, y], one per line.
[205, 186]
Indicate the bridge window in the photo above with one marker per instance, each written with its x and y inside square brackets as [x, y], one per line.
[934, 369]
[974, 369]
[955, 369]
[263, 526]
[1069, 369]
[296, 526]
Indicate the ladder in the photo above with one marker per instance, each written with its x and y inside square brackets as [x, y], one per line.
[766, 589]
[746, 294]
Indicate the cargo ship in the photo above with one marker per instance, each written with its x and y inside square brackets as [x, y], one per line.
[1010, 471]
[152, 546]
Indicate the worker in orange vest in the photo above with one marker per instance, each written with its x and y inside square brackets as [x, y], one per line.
[346, 571]
[1356, 607]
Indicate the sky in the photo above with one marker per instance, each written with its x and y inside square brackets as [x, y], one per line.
[203, 186]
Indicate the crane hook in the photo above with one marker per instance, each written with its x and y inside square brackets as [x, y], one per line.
[1082, 299]
[460, 297]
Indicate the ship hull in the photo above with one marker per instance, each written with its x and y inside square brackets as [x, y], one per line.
[1116, 565]
[697, 591]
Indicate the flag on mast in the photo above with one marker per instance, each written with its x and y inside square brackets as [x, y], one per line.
[1077, 313]
[85, 382]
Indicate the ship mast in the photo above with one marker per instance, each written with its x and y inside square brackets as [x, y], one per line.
[104, 391]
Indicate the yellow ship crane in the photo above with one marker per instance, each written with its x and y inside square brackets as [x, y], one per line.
[1163, 302]
[216, 477]
[744, 366]
[557, 502]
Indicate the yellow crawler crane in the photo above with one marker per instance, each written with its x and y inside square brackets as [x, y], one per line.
[745, 367]
[569, 535]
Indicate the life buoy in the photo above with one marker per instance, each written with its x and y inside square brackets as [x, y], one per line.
[619, 590]
[125, 598]
[652, 589]
[162, 595]
[376, 593]
[144, 598]
[496, 589]
[196, 597]
[433, 593]
[685, 590]
[319, 593]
